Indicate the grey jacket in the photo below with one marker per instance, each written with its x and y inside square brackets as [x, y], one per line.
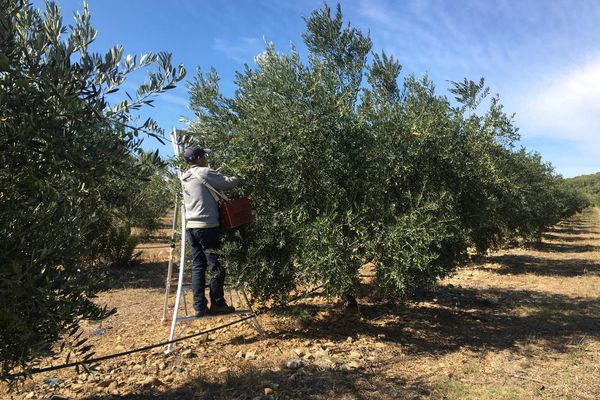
[201, 208]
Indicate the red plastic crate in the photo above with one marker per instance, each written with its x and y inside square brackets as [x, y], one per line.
[235, 213]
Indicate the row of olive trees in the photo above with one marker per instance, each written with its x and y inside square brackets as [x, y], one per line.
[341, 171]
[69, 164]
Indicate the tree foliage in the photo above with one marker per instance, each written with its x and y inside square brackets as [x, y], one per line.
[137, 197]
[140, 195]
[342, 171]
[63, 144]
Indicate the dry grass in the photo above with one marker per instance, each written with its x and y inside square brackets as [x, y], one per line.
[521, 324]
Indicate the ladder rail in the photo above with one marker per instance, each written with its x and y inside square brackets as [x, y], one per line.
[171, 251]
[176, 151]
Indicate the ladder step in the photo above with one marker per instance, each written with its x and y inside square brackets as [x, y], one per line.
[236, 312]
[188, 286]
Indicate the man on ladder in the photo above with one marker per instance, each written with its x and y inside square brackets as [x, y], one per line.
[203, 230]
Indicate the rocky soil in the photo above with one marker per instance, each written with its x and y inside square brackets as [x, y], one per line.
[522, 323]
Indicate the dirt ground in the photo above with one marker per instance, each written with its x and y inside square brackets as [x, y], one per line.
[517, 324]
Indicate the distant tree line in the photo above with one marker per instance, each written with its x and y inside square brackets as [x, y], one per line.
[589, 185]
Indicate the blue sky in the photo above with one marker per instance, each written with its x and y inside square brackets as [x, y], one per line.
[541, 56]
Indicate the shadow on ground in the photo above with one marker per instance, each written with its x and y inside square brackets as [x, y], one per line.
[150, 275]
[574, 230]
[459, 318]
[578, 238]
[527, 264]
[305, 383]
[570, 247]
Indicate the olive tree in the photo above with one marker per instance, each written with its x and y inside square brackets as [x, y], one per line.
[342, 170]
[62, 144]
[322, 181]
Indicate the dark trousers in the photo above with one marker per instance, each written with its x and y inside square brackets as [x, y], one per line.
[205, 243]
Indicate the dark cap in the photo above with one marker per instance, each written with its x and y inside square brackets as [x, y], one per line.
[193, 152]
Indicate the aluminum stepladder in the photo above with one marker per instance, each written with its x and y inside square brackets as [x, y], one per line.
[240, 292]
